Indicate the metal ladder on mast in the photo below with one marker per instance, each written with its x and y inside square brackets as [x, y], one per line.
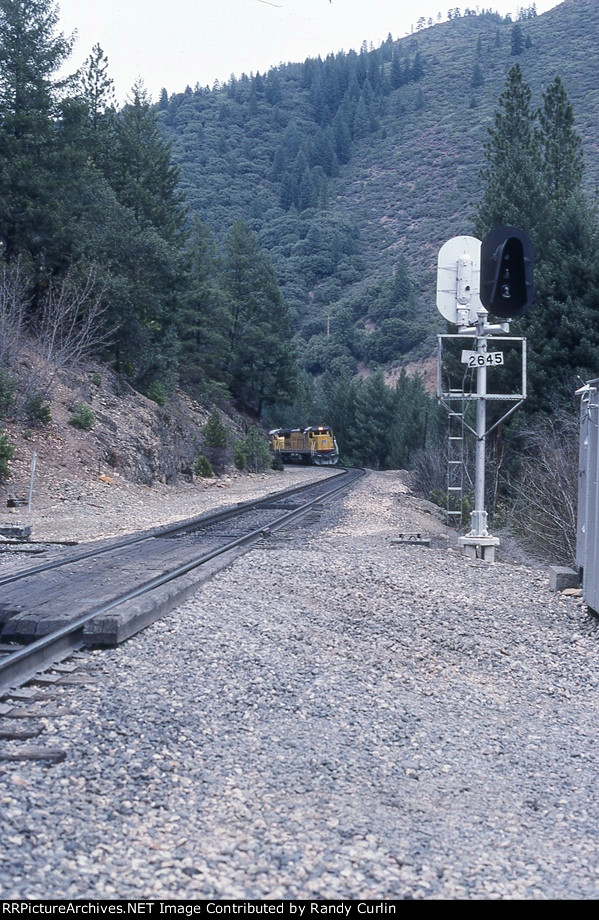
[455, 458]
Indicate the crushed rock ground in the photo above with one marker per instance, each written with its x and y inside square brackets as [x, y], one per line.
[335, 716]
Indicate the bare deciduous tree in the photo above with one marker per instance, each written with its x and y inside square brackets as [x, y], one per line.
[13, 309]
[67, 329]
[545, 492]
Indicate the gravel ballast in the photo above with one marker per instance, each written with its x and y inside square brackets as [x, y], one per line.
[336, 716]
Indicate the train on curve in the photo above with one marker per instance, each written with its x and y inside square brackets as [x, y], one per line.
[316, 445]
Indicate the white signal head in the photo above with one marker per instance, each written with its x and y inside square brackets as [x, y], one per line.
[458, 281]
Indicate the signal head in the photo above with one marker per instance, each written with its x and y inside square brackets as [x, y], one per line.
[506, 272]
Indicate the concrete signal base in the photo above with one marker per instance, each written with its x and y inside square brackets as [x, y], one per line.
[479, 547]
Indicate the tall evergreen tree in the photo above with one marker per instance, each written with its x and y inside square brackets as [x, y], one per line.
[533, 181]
[559, 144]
[413, 408]
[263, 367]
[397, 75]
[512, 192]
[97, 89]
[146, 306]
[145, 178]
[205, 354]
[31, 54]
[564, 322]
[373, 421]
[342, 138]
[517, 40]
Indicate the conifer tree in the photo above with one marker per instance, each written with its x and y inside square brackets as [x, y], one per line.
[564, 323]
[146, 306]
[31, 54]
[397, 76]
[342, 138]
[512, 193]
[205, 319]
[263, 367]
[559, 144]
[517, 40]
[373, 420]
[533, 179]
[97, 88]
[214, 431]
[145, 179]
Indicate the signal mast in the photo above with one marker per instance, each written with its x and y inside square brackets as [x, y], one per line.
[474, 280]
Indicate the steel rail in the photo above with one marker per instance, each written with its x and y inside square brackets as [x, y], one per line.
[23, 664]
[164, 531]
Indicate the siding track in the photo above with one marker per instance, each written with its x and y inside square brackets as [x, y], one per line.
[104, 593]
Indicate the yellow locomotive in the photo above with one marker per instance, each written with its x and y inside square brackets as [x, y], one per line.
[305, 445]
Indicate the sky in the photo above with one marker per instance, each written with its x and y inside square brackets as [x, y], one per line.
[181, 43]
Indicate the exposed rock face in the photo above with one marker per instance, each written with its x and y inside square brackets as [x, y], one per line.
[130, 435]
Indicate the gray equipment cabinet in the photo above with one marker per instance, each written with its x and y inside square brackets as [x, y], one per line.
[588, 494]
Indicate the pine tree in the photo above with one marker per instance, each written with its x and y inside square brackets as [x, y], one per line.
[288, 194]
[342, 138]
[146, 307]
[337, 399]
[397, 75]
[512, 193]
[214, 431]
[560, 146]
[307, 193]
[477, 80]
[417, 69]
[97, 88]
[373, 418]
[533, 181]
[517, 40]
[564, 321]
[145, 178]
[205, 318]
[409, 428]
[31, 54]
[262, 359]
[361, 123]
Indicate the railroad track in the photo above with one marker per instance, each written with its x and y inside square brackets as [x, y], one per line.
[101, 594]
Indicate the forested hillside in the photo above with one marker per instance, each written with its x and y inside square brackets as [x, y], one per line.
[100, 253]
[354, 170]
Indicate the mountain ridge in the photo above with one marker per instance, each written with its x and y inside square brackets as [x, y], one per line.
[412, 179]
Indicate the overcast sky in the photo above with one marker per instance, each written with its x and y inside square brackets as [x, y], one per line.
[175, 43]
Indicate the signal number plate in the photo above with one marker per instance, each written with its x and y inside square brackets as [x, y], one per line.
[482, 359]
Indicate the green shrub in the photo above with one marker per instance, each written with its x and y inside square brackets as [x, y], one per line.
[464, 505]
[203, 467]
[157, 393]
[96, 379]
[214, 431]
[7, 393]
[82, 417]
[239, 457]
[253, 453]
[277, 464]
[438, 497]
[37, 410]
[6, 453]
